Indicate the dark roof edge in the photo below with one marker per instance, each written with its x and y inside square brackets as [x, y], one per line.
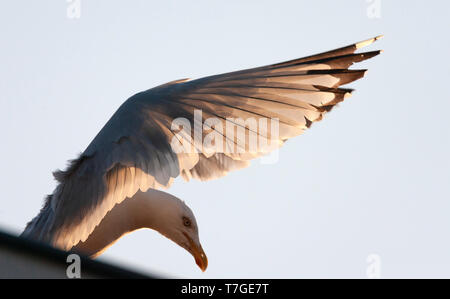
[52, 254]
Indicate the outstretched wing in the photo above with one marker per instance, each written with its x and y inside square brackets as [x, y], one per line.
[200, 129]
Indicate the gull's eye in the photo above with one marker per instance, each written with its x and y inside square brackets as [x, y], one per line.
[186, 221]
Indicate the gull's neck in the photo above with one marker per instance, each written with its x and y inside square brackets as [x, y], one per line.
[140, 211]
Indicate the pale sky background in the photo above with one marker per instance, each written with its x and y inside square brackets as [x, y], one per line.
[371, 178]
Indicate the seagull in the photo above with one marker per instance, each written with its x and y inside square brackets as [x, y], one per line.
[177, 129]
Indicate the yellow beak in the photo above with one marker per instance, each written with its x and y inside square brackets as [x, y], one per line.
[199, 255]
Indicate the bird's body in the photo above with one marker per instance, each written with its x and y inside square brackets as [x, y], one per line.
[176, 129]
